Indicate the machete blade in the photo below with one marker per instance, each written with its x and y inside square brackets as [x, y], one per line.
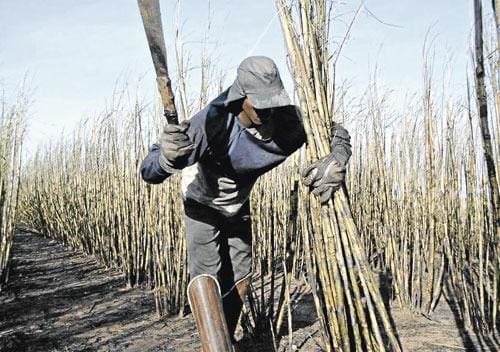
[151, 19]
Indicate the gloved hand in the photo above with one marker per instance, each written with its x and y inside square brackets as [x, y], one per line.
[324, 177]
[175, 146]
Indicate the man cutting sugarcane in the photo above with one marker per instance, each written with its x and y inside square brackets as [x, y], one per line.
[246, 131]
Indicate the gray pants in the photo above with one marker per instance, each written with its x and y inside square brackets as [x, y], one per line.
[218, 245]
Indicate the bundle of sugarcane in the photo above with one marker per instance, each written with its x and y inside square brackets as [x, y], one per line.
[347, 299]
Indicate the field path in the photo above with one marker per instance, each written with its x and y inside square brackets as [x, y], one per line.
[61, 300]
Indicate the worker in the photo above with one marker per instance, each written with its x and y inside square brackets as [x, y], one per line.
[246, 131]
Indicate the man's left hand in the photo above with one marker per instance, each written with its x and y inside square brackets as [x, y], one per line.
[324, 177]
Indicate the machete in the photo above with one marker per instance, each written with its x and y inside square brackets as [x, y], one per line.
[151, 19]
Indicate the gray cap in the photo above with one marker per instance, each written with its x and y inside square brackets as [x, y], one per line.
[258, 79]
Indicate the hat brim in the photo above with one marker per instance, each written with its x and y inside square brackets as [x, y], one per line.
[270, 98]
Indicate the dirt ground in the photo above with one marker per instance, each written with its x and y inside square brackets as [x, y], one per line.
[61, 300]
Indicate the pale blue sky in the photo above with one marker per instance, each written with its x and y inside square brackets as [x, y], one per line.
[75, 50]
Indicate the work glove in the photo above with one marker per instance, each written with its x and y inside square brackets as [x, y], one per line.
[324, 177]
[175, 147]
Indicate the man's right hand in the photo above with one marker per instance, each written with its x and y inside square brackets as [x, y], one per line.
[175, 146]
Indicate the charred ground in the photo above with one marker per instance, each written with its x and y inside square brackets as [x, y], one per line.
[58, 299]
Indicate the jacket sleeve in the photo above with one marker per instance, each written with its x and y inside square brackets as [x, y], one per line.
[341, 144]
[151, 170]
